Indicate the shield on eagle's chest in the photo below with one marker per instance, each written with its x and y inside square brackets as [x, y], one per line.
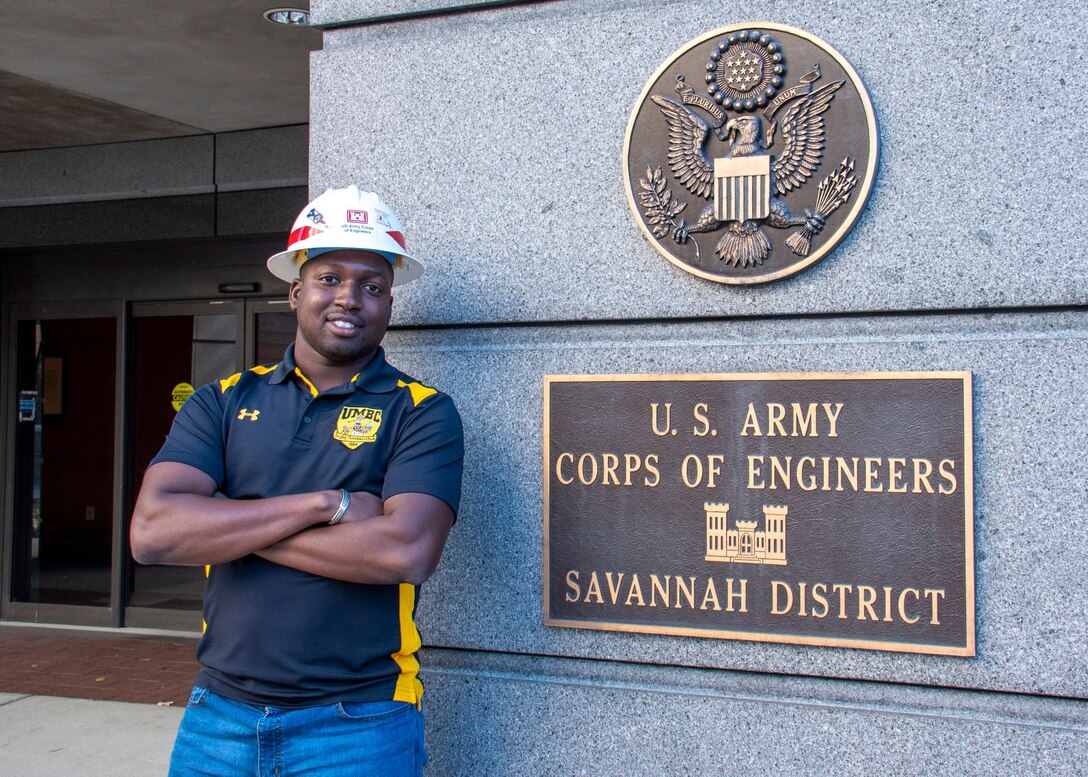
[742, 188]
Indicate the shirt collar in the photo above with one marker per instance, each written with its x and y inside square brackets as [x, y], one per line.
[377, 376]
[285, 367]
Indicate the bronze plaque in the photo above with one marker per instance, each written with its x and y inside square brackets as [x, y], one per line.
[750, 153]
[809, 508]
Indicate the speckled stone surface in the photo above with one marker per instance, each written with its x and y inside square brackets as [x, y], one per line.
[337, 12]
[497, 715]
[262, 159]
[259, 210]
[235, 183]
[1030, 521]
[112, 171]
[497, 136]
[79, 223]
[228, 162]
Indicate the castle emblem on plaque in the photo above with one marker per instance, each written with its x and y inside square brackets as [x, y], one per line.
[739, 172]
[746, 542]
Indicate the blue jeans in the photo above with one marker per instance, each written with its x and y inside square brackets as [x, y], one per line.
[222, 737]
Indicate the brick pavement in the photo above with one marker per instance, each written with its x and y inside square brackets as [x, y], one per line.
[93, 665]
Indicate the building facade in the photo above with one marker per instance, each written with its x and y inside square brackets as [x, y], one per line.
[496, 130]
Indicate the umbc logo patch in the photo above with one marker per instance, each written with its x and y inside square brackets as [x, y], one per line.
[357, 425]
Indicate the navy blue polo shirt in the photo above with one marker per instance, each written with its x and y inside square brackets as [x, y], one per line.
[277, 636]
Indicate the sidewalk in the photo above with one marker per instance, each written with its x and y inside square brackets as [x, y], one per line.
[49, 736]
[90, 702]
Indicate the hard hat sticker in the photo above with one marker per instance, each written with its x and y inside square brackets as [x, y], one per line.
[345, 219]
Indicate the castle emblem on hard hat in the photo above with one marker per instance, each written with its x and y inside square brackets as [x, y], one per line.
[357, 425]
[760, 175]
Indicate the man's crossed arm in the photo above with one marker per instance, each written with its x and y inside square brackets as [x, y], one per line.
[178, 519]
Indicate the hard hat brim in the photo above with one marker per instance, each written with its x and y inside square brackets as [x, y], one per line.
[285, 265]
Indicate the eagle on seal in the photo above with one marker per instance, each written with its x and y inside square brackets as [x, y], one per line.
[746, 243]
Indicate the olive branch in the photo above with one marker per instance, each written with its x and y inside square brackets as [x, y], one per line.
[660, 209]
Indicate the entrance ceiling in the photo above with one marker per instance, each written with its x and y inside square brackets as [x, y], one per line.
[78, 72]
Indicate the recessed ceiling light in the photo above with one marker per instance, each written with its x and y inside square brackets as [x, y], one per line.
[292, 16]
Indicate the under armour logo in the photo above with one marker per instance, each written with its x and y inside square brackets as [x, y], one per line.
[251, 415]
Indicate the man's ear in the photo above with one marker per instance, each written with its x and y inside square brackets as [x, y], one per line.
[293, 292]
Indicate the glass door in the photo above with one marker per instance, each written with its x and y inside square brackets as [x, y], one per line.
[64, 403]
[91, 398]
[175, 349]
[271, 329]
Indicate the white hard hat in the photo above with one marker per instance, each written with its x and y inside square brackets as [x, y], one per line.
[346, 219]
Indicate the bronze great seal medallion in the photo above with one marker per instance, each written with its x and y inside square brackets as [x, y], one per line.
[751, 153]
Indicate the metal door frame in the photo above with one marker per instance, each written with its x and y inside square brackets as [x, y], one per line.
[69, 614]
[152, 617]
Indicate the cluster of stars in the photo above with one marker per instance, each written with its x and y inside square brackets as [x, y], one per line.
[743, 72]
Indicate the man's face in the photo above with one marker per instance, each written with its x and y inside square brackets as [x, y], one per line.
[343, 303]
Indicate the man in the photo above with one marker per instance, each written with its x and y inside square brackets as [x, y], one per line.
[321, 491]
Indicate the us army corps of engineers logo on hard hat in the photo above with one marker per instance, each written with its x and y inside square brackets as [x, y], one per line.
[750, 153]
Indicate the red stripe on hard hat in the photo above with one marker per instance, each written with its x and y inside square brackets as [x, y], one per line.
[398, 237]
[300, 234]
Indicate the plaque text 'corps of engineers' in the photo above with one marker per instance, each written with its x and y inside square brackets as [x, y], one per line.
[810, 508]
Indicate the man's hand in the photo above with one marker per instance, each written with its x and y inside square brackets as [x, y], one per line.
[363, 505]
[398, 541]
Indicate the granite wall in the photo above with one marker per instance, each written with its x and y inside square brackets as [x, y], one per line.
[228, 184]
[496, 132]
